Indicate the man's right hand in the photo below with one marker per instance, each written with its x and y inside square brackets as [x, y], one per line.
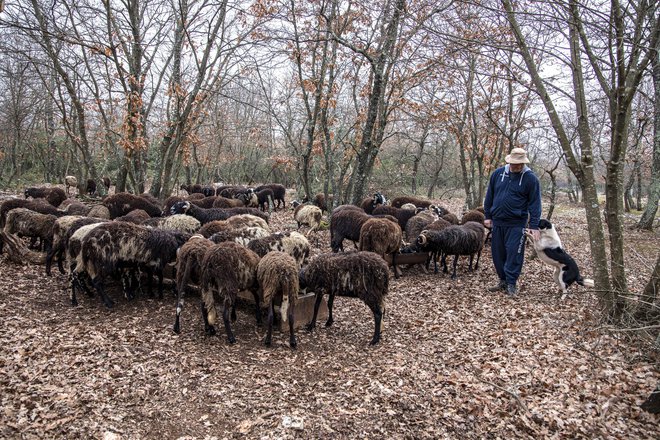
[488, 223]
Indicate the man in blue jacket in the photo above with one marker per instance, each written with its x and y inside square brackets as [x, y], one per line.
[512, 200]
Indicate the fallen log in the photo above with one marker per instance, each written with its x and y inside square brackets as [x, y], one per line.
[17, 252]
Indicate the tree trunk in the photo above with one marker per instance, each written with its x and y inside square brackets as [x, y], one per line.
[646, 222]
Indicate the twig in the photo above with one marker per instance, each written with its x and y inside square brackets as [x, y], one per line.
[511, 393]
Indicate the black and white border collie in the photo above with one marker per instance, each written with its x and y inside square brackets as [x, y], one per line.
[550, 251]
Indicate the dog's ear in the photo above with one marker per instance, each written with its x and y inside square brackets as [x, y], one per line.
[544, 224]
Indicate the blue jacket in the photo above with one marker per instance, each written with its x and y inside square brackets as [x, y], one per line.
[513, 197]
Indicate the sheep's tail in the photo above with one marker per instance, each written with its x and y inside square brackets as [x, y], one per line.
[587, 282]
[209, 303]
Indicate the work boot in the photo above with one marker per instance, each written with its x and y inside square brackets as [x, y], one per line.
[511, 290]
[501, 285]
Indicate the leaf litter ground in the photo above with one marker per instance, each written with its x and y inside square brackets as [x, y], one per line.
[454, 360]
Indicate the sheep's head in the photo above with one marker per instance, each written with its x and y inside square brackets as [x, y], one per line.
[208, 191]
[379, 199]
[438, 210]
[180, 207]
[27, 193]
[301, 279]
[295, 204]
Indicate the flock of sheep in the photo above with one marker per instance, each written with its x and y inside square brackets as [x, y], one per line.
[219, 239]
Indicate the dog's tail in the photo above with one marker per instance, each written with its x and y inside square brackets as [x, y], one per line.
[586, 282]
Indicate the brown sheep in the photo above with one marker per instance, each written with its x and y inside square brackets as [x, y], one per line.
[382, 237]
[277, 274]
[188, 269]
[228, 268]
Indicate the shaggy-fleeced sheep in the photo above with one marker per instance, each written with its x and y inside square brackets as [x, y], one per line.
[418, 223]
[242, 236]
[234, 222]
[382, 237]
[189, 269]
[206, 202]
[27, 223]
[467, 239]
[91, 187]
[73, 207]
[346, 222]
[224, 202]
[55, 196]
[265, 198]
[473, 216]
[279, 192]
[208, 215]
[60, 228]
[292, 243]
[228, 268]
[108, 245]
[136, 216]
[277, 275]
[70, 181]
[398, 202]
[402, 215]
[370, 203]
[177, 222]
[451, 218]
[359, 274]
[99, 211]
[308, 215]
[249, 199]
[72, 245]
[123, 203]
[38, 205]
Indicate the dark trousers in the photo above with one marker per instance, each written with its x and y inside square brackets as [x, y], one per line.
[508, 249]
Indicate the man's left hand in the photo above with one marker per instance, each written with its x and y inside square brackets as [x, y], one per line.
[536, 234]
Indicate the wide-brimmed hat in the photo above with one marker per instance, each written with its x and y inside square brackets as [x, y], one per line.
[517, 155]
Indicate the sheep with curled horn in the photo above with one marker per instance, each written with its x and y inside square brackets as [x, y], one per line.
[382, 237]
[364, 275]
[228, 268]
[53, 195]
[456, 240]
[113, 244]
[277, 275]
[308, 215]
[122, 203]
[189, 270]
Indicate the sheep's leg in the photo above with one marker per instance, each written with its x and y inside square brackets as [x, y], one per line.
[257, 307]
[208, 328]
[72, 296]
[331, 301]
[476, 266]
[179, 308]
[150, 282]
[271, 314]
[292, 336]
[378, 317]
[445, 269]
[160, 283]
[49, 260]
[225, 318]
[470, 264]
[310, 326]
[126, 285]
[453, 274]
[98, 285]
[60, 261]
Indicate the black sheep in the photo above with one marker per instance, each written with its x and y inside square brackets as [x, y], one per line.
[402, 215]
[279, 193]
[91, 187]
[55, 196]
[123, 203]
[360, 274]
[467, 239]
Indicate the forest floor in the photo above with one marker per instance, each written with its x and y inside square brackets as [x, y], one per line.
[454, 361]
